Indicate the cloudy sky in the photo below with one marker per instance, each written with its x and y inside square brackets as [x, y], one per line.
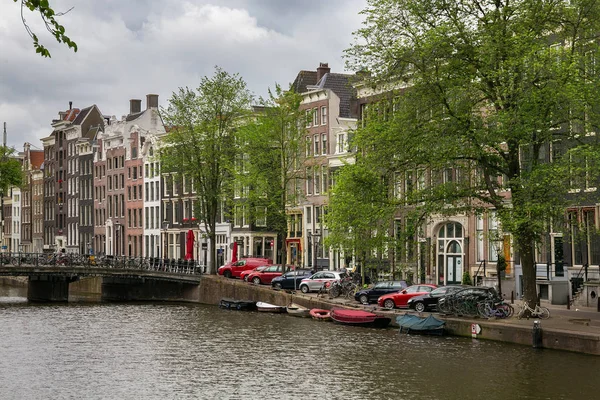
[129, 48]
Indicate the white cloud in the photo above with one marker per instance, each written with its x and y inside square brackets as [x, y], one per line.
[130, 48]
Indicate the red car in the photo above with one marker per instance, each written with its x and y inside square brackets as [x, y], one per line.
[266, 275]
[400, 299]
[244, 274]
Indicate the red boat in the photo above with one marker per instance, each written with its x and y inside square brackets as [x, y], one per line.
[359, 318]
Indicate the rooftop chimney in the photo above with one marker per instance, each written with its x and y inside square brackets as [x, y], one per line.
[135, 106]
[322, 70]
[151, 101]
[70, 105]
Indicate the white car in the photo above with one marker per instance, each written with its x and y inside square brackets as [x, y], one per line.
[317, 280]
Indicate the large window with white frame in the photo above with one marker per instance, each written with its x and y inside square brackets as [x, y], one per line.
[323, 115]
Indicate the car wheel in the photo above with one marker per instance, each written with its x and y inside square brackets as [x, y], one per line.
[227, 274]
[256, 280]
[277, 285]
[363, 299]
[419, 306]
[389, 303]
[304, 289]
[245, 278]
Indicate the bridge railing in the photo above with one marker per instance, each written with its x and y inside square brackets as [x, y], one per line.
[176, 266]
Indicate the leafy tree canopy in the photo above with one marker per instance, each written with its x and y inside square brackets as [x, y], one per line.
[505, 92]
[49, 18]
[201, 142]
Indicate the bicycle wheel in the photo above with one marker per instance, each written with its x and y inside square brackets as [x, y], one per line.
[543, 312]
[334, 291]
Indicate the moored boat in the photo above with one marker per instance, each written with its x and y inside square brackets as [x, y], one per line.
[320, 315]
[297, 310]
[242, 305]
[414, 324]
[359, 318]
[267, 307]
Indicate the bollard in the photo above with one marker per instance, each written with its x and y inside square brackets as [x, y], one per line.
[512, 297]
[568, 302]
[536, 335]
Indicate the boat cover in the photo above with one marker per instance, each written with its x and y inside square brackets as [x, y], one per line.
[414, 322]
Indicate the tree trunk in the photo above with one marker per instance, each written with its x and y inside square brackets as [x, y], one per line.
[525, 246]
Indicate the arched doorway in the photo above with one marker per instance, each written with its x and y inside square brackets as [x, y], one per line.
[450, 253]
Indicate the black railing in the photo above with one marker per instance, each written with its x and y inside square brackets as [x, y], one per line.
[177, 266]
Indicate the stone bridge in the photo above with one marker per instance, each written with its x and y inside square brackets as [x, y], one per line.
[120, 281]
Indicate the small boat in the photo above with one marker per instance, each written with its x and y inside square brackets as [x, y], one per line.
[414, 324]
[297, 310]
[232, 304]
[359, 318]
[320, 315]
[267, 307]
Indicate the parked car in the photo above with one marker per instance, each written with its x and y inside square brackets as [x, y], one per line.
[244, 274]
[291, 279]
[371, 295]
[266, 275]
[233, 270]
[400, 299]
[430, 300]
[317, 280]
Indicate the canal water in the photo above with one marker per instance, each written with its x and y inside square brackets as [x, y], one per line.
[185, 351]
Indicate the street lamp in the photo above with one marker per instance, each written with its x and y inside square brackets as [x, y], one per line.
[314, 238]
[164, 226]
[116, 239]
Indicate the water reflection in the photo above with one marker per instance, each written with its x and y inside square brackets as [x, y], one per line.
[182, 351]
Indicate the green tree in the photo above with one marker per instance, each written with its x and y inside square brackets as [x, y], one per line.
[10, 170]
[49, 18]
[503, 93]
[359, 213]
[201, 142]
[270, 162]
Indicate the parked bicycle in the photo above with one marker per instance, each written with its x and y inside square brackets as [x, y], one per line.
[537, 312]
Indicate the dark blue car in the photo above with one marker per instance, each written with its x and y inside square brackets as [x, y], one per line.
[291, 279]
[371, 295]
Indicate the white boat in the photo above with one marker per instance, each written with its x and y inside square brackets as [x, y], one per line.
[297, 310]
[267, 307]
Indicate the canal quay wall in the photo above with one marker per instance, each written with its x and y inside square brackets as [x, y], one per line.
[559, 333]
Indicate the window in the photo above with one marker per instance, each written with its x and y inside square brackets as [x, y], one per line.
[135, 173]
[315, 116]
[316, 145]
[479, 238]
[341, 143]
[308, 119]
[261, 216]
[317, 180]
[324, 143]
[134, 152]
[323, 115]
[308, 215]
[309, 180]
[238, 216]
[308, 146]
[494, 245]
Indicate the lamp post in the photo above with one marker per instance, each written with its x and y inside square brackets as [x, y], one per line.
[116, 239]
[314, 238]
[164, 226]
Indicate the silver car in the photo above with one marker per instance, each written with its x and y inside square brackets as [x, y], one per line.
[316, 282]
